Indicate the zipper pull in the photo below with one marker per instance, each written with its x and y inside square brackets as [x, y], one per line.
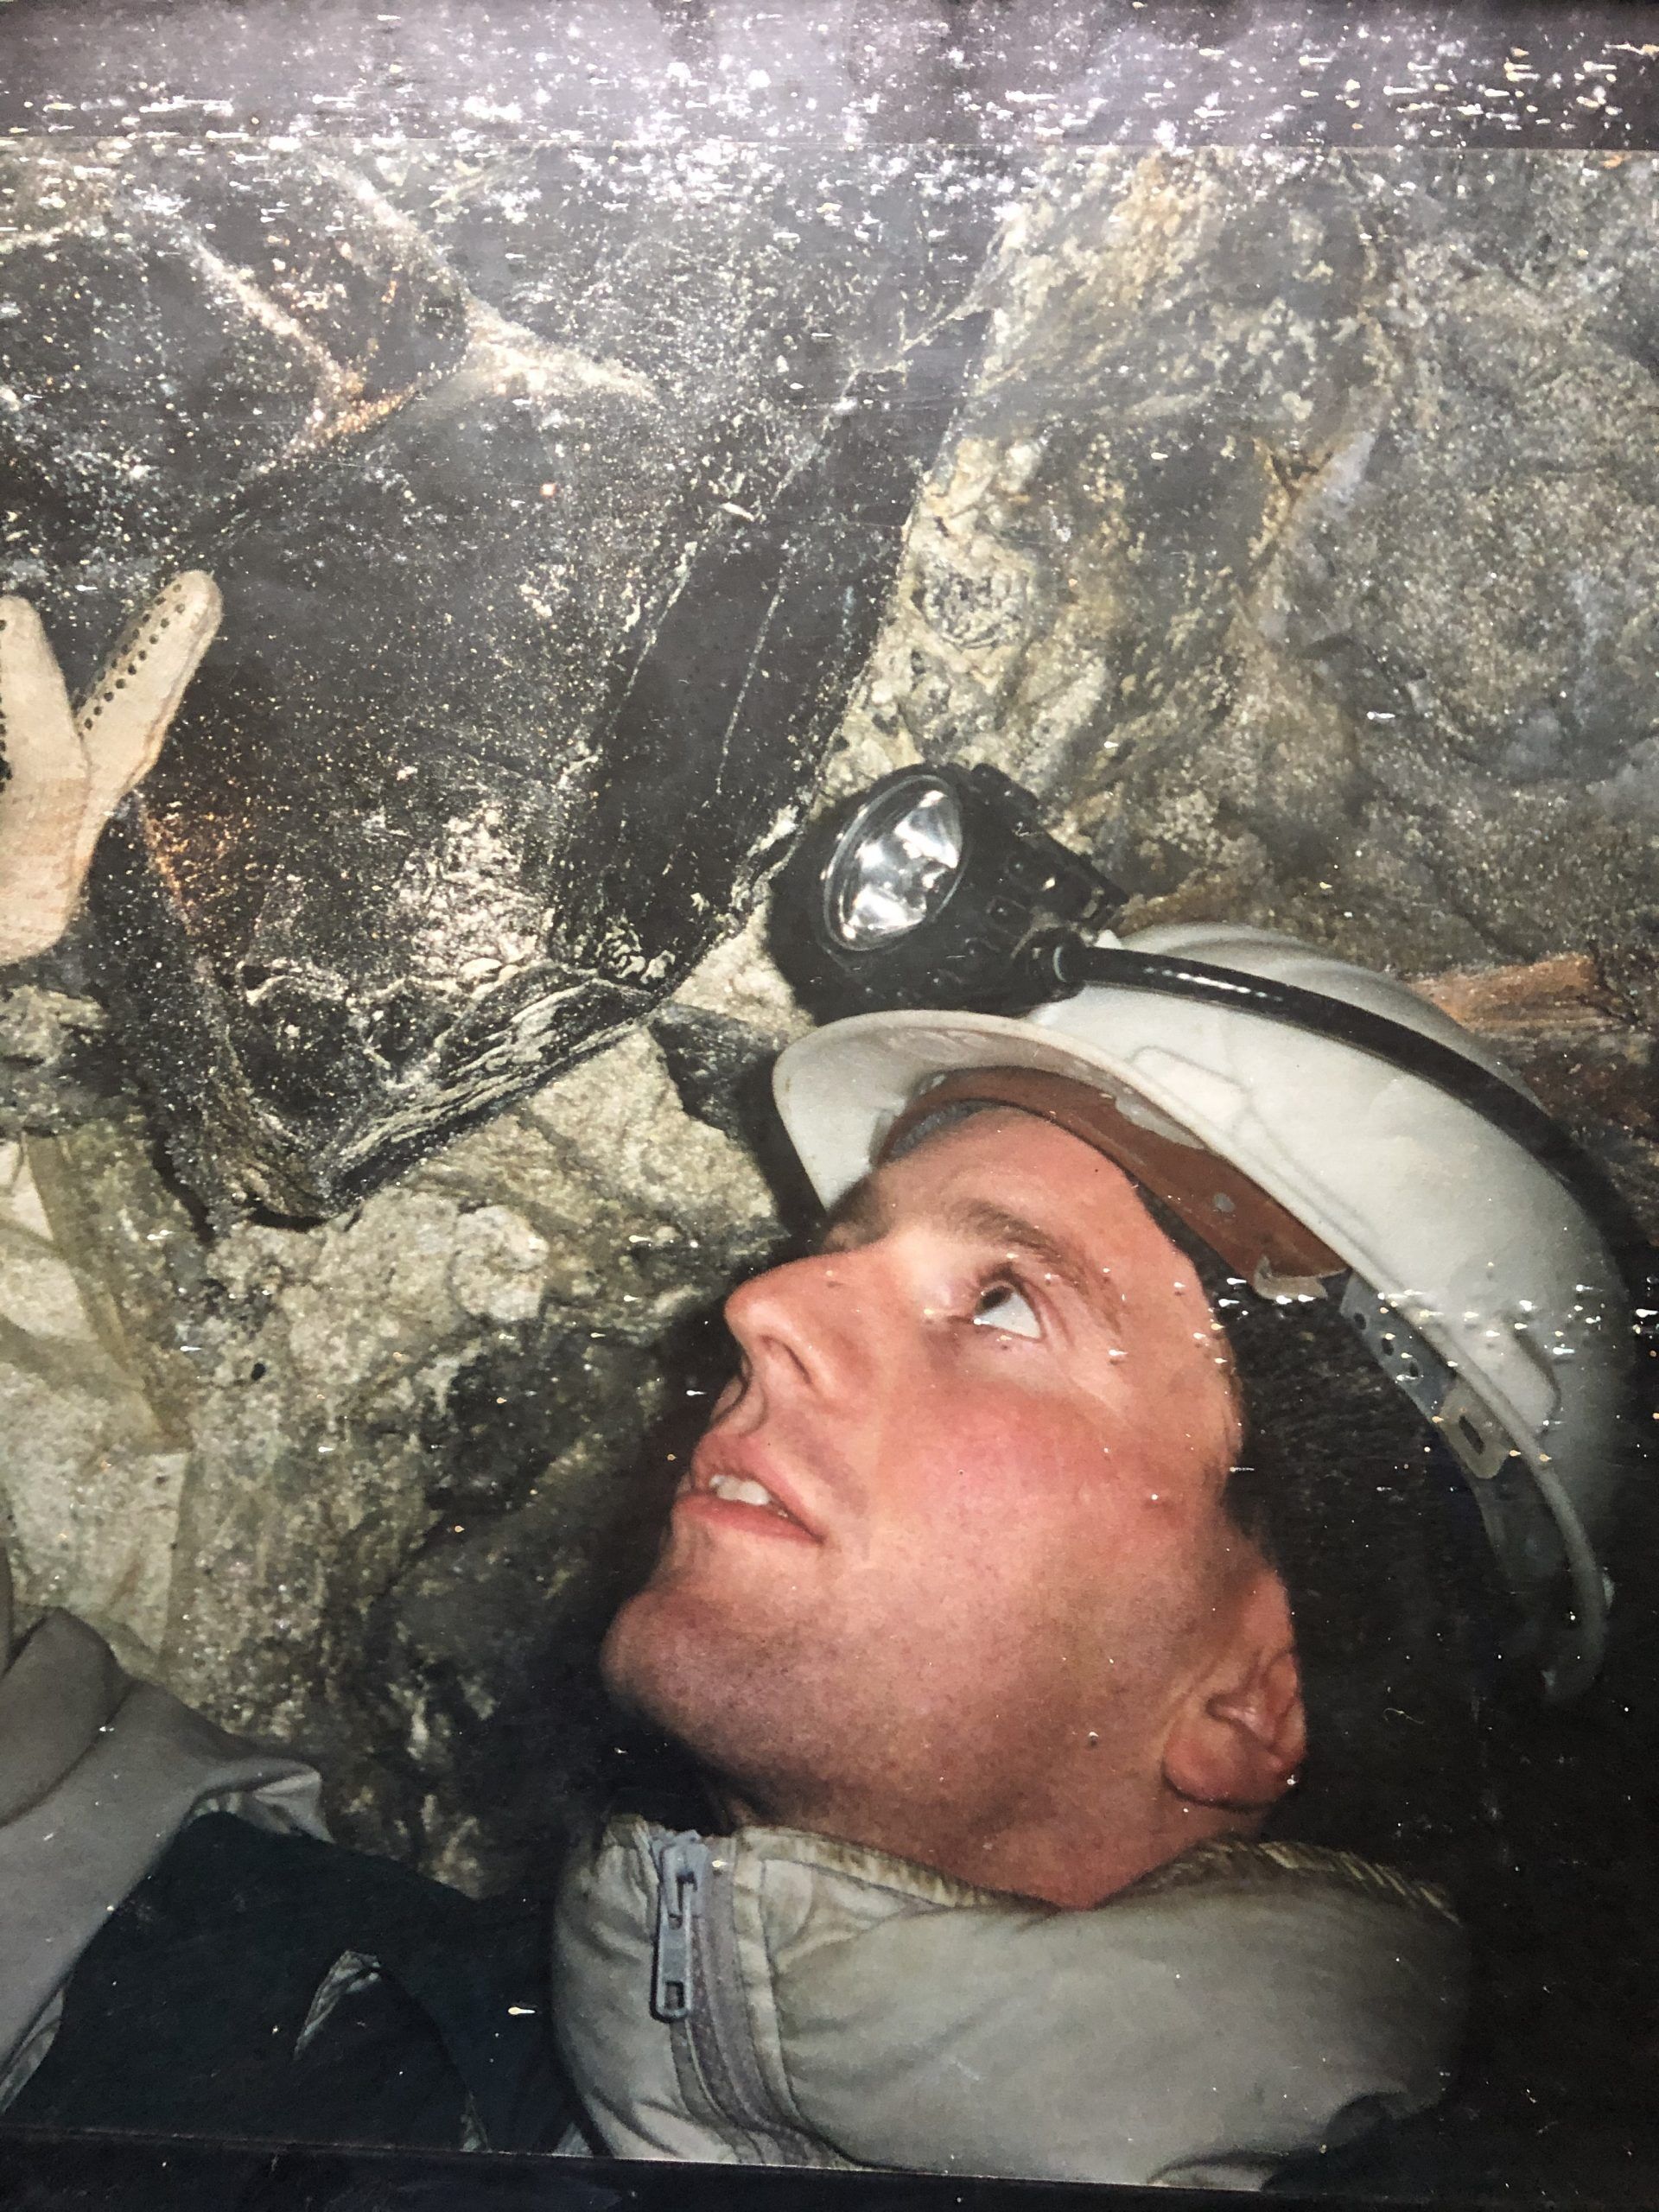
[682, 1873]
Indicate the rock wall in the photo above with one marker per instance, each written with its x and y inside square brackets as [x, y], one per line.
[1294, 540]
[553, 502]
[1297, 545]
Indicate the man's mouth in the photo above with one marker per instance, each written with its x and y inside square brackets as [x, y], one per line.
[743, 1489]
[737, 1496]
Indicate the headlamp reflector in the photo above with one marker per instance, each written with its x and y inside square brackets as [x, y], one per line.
[893, 866]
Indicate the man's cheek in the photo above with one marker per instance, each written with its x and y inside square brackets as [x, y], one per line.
[1006, 1443]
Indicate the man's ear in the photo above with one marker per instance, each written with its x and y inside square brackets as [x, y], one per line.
[1241, 1733]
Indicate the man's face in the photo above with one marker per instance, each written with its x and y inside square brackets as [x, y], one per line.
[953, 1548]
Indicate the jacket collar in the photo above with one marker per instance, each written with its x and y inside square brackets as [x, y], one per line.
[778, 1998]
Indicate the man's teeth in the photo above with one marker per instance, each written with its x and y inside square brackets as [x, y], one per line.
[743, 1491]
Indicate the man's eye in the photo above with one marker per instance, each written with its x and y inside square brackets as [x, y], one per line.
[1003, 1307]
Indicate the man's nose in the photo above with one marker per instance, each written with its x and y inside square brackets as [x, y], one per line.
[797, 1325]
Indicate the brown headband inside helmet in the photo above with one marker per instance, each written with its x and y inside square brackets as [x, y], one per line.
[1268, 1247]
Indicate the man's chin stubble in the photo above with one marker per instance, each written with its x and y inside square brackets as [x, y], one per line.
[740, 1708]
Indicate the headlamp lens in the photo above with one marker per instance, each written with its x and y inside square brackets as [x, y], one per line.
[893, 866]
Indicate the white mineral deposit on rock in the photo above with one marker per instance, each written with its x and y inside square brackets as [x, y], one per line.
[498, 1269]
[94, 1470]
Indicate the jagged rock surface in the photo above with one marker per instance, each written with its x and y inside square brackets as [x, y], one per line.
[1294, 544]
[553, 504]
[348, 1484]
[1299, 544]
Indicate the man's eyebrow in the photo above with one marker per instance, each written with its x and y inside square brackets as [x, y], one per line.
[859, 1213]
[983, 1220]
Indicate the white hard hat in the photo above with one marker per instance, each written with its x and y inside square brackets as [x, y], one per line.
[1477, 1278]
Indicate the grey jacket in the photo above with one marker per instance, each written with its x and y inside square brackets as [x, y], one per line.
[98, 1774]
[778, 1998]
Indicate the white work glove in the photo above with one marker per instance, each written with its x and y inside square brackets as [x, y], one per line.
[70, 770]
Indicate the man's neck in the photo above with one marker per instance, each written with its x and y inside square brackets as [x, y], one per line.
[1073, 1858]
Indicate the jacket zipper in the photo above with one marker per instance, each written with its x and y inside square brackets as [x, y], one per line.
[682, 1889]
[695, 1989]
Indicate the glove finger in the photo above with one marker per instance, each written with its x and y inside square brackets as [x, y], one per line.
[125, 717]
[43, 799]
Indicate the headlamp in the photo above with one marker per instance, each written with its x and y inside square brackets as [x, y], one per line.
[939, 888]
